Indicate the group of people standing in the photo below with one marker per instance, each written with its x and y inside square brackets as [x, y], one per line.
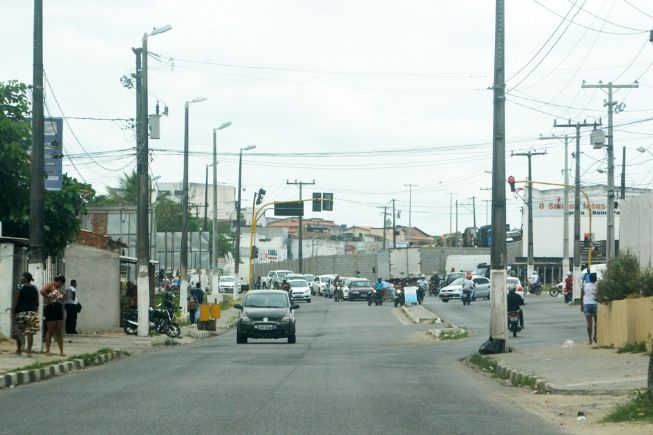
[56, 300]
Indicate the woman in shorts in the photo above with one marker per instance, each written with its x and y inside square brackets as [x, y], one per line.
[25, 313]
[588, 306]
[53, 312]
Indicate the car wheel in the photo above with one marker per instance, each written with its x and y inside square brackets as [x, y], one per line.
[241, 338]
[292, 339]
[445, 300]
[308, 300]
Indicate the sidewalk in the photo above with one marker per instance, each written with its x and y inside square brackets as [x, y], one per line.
[565, 368]
[113, 344]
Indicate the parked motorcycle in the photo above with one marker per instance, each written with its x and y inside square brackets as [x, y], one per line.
[400, 299]
[513, 323]
[161, 320]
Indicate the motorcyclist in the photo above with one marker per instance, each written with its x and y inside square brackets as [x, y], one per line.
[435, 283]
[337, 289]
[514, 304]
[422, 284]
[285, 286]
[535, 279]
[379, 286]
[468, 286]
[569, 287]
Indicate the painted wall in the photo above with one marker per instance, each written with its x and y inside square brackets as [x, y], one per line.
[97, 273]
[636, 235]
[627, 321]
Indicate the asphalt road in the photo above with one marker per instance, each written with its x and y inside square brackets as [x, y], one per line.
[354, 370]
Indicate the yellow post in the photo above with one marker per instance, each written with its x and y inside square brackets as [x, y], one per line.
[204, 312]
[215, 311]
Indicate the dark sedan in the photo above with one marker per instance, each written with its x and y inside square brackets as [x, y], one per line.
[266, 314]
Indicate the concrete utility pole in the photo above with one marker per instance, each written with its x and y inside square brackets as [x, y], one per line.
[473, 198]
[577, 205]
[613, 106]
[450, 212]
[410, 209]
[623, 173]
[300, 251]
[531, 261]
[565, 206]
[498, 274]
[215, 264]
[238, 211]
[394, 225]
[37, 163]
[385, 214]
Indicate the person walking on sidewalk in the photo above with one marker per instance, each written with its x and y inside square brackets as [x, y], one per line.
[70, 305]
[191, 305]
[588, 306]
[53, 312]
[25, 313]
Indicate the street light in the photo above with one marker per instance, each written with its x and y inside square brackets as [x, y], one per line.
[237, 257]
[214, 265]
[184, 207]
[142, 231]
[644, 150]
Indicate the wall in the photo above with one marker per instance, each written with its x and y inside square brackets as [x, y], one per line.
[7, 286]
[627, 321]
[636, 235]
[97, 272]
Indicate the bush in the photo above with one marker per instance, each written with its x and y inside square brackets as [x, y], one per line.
[620, 279]
[646, 280]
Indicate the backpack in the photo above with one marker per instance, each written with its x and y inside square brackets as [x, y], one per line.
[192, 304]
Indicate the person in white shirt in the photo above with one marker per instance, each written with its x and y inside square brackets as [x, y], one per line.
[70, 305]
[588, 306]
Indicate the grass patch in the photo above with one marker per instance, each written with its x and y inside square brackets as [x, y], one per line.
[633, 348]
[638, 409]
[484, 363]
[88, 358]
[454, 335]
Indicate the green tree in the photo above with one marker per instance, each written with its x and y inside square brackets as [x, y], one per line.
[15, 140]
[61, 208]
[125, 193]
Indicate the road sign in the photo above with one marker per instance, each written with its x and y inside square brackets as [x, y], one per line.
[290, 208]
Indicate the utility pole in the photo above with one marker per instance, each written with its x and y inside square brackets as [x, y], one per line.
[450, 211]
[498, 250]
[410, 209]
[37, 162]
[612, 107]
[394, 225]
[529, 154]
[486, 201]
[623, 173]
[385, 214]
[300, 252]
[577, 206]
[473, 198]
[565, 206]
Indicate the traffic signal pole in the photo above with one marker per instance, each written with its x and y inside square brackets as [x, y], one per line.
[300, 251]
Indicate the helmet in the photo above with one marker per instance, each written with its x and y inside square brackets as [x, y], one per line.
[378, 278]
[570, 273]
[535, 272]
[512, 288]
[421, 275]
[469, 275]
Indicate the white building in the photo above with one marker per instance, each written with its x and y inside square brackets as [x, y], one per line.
[548, 218]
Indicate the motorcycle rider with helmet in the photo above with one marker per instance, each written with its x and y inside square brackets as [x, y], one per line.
[379, 286]
[569, 287]
[422, 284]
[435, 283]
[514, 304]
[468, 289]
[535, 281]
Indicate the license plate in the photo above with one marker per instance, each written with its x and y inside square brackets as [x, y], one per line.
[265, 327]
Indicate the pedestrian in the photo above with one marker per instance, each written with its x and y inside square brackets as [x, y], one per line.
[588, 306]
[53, 312]
[25, 313]
[70, 302]
[191, 305]
[198, 293]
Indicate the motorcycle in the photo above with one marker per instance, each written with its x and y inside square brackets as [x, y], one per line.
[554, 291]
[535, 289]
[513, 323]
[376, 298]
[467, 297]
[433, 289]
[421, 291]
[399, 298]
[161, 320]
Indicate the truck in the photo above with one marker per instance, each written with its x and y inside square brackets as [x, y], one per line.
[466, 263]
[274, 278]
[400, 263]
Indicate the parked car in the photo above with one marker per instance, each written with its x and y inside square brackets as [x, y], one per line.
[514, 282]
[455, 289]
[266, 314]
[357, 288]
[320, 282]
[299, 290]
[226, 284]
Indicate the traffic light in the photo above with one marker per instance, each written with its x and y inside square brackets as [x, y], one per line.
[327, 204]
[511, 181]
[260, 196]
[255, 251]
[317, 201]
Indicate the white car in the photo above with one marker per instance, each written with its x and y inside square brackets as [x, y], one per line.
[299, 290]
[226, 284]
[455, 289]
[319, 284]
[512, 281]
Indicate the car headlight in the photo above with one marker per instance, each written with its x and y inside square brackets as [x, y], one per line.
[245, 319]
[286, 319]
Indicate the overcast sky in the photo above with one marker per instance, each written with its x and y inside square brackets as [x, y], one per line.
[364, 97]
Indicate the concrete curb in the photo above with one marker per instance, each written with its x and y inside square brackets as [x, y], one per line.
[22, 377]
[419, 314]
[538, 385]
